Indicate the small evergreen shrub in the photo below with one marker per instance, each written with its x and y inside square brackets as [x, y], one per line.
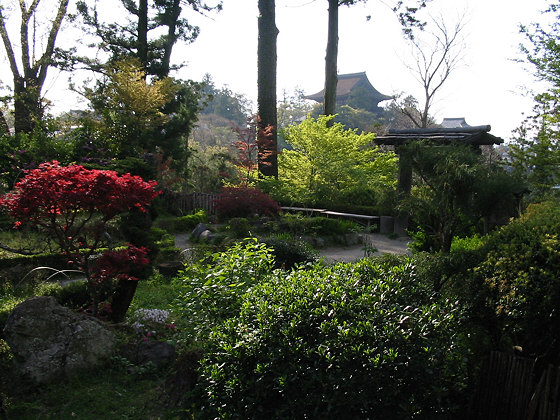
[244, 202]
[74, 295]
[188, 223]
[297, 224]
[519, 282]
[239, 227]
[289, 251]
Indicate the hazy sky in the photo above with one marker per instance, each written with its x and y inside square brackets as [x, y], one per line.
[488, 89]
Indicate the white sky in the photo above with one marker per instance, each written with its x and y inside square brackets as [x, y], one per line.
[488, 89]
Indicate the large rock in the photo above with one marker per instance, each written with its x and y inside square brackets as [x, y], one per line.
[50, 341]
[197, 231]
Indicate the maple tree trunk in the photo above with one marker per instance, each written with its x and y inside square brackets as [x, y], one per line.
[267, 138]
[122, 298]
[331, 77]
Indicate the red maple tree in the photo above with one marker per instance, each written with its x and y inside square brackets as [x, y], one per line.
[74, 205]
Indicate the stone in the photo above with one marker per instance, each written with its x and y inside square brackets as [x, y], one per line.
[50, 341]
[205, 236]
[387, 226]
[201, 227]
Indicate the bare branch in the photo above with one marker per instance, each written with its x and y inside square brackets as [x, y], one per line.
[8, 46]
[49, 49]
[434, 62]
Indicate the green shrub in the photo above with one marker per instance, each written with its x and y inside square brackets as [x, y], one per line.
[212, 289]
[74, 295]
[188, 223]
[289, 251]
[297, 224]
[239, 227]
[519, 282]
[349, 341]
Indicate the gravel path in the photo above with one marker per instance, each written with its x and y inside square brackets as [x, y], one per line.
[382, 243]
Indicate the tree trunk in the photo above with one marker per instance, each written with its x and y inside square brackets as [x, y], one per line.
[4, 127]
[171, 38]
[331, 76]
[143, 32]
[27, 105]
[267, 138]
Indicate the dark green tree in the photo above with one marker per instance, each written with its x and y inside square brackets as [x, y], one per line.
[224, 102]
[455, 190]
[151, 31]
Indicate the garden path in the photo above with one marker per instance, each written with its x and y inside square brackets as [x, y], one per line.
[382, 243]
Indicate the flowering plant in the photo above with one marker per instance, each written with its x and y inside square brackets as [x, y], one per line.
[152, 323]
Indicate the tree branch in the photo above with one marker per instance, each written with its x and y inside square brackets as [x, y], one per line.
[47, 55]
[8, 46]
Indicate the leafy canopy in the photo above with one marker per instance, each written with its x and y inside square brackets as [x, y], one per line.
[331, 164]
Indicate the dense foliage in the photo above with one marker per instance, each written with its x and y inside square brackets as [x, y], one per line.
[519, 282]
[328, 164]
[213, 290]
[244, 201]
[350, 341]
[456, 192]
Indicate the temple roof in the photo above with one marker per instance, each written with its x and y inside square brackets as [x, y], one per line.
[454, 122]
[346, 82]
[472, 135]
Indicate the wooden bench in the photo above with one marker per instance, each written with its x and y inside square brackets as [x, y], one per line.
[307, 211]
[363, 219]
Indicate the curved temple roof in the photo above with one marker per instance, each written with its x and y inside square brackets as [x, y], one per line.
[346, 82]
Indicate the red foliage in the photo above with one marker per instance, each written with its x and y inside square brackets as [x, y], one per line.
[120, 264]
[74, 205]
[53, 190]
[256, 149]
[244, 201]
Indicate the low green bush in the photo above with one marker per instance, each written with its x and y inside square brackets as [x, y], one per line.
[361, 340]
[239, 227]
[212, 289]
[188, 223]
[519, 282]
[289, 251]
[74, 295]
[297, 224]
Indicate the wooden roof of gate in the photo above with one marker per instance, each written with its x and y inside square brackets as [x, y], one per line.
[471, 135]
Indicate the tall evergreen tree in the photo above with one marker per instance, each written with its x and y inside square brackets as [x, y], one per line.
[152, 29]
